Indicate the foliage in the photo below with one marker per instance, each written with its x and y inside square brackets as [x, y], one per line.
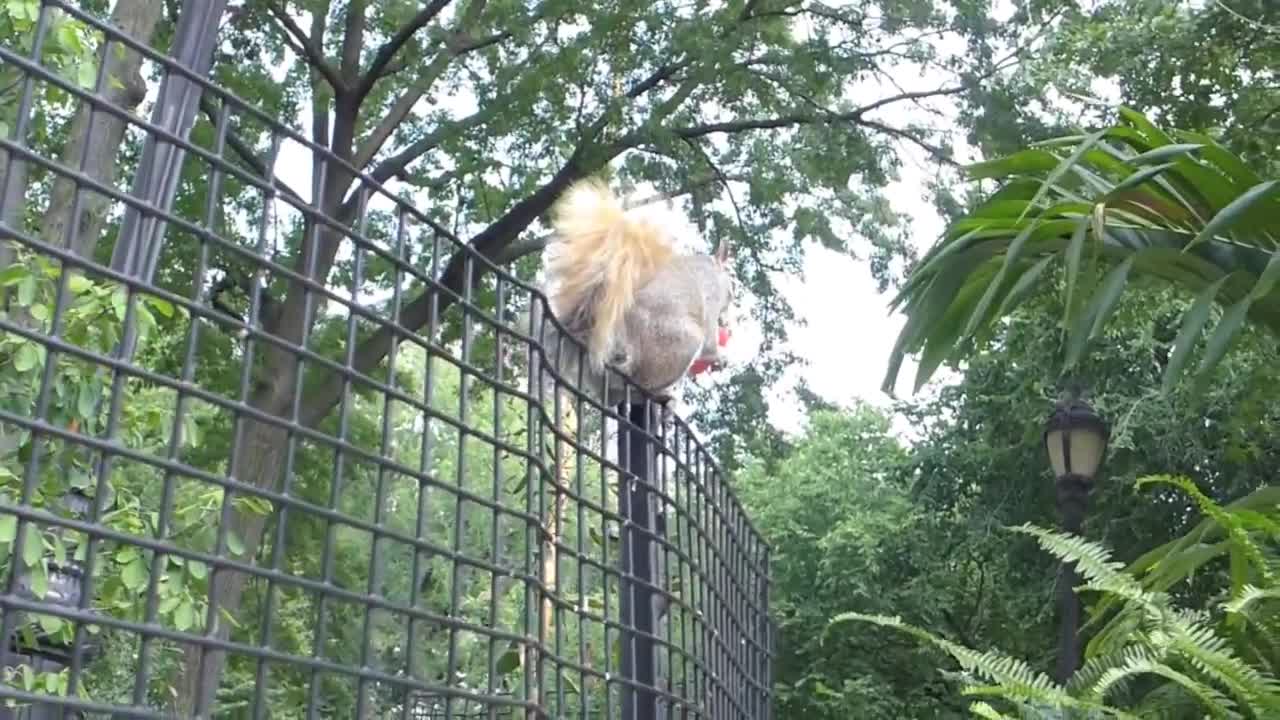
[1194, 65]
[1126, 199]
[838, 510]
[1166, 661]
[90, 316]
[66, 49]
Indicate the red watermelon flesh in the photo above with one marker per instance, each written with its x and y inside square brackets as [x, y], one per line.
[700, 365]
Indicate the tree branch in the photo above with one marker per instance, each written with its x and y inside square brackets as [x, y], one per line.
[245, 152]
[661, 75]
[819, 116]
[306, 48]
[398, 112]
[319, 100]
[353, 43]
[464, 269]
[396, 164]
[388, 51]
[936, 152]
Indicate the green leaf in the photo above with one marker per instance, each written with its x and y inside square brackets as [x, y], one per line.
[509, 662]
[40, 580]
[1267, 281]
[169, 603]
[1164, 153]
[8, 528]
[12, 275]
[185, 616]
[1135, 180]
[1236, 209]
[1154, 135]
[86, 75]
[1025, 284]
[1075, 249]
[993, 288]
[234, 543]
[52, 680]
[59, 551]
[1064, 167]
[28, 678]
[1023, 162]
[79, 284]
[164, 307]
[1098, 311]
[1223, 335]
[197, 569]
[50, 624]
[119, 303]
[1192, 324]
[26, 358]
[27, 290]
[32, 545]
[134, 575]
[87, 399]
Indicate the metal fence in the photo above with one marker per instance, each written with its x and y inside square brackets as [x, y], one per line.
[271, 453]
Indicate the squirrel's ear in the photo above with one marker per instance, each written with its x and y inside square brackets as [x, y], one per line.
[722, 252]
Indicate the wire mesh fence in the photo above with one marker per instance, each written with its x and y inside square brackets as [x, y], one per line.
[273, 453]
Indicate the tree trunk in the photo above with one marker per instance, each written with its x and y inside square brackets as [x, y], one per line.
[261, 459]
[13, 179]
[95, 137]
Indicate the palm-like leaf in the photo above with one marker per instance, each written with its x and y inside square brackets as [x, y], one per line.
[1127, 201]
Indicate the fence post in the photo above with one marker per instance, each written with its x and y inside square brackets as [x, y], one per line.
[639, 558]
[136, 253]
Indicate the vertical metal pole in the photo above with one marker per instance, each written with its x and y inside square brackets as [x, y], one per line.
[638, 602]
[1073, 498]
[137, 249]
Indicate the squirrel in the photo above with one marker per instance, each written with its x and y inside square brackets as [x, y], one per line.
[619, 288]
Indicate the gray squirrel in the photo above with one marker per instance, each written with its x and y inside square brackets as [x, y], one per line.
[618, 287]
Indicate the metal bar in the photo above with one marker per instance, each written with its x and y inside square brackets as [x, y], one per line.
[639, 599]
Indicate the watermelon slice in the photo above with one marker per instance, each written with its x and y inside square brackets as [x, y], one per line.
[700, 366]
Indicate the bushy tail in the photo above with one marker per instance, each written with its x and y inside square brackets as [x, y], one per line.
[598, 261]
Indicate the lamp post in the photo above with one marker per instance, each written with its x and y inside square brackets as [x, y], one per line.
[1076, 440]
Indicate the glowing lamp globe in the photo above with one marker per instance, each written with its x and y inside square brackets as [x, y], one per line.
[1076, 440]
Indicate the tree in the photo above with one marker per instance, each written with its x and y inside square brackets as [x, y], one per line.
[560, 93]
[1166, 659]
[1177, 207]
[846, 531]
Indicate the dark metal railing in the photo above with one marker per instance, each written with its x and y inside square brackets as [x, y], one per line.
[269, 455]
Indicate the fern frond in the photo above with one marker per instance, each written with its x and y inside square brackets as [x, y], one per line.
[1211, 655]
[1242, 543]
[1214, 702]
[983, 710]
[1100, 677]
[1017, 679]
[1092, 561]
[1167, 701]
[1249, 596]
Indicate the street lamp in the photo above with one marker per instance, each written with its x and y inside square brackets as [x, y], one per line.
[1076, 440]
